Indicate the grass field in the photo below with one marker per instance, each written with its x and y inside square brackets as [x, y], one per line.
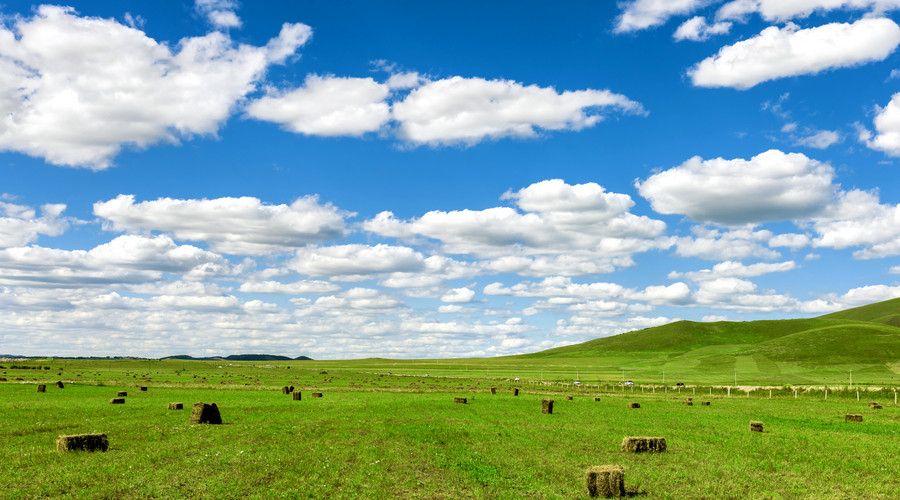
[375, 435]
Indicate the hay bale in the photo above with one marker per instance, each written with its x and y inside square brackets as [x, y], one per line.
[461, 401]
[285, 390]
[515, 392]
[634, 405]
[296, 395]
[874, 406]
[176, 406]
[117, 401]
[569, 398]
[596, 398]
[877, 407]
[605, 481]
[82, 442]
[290, 389]
[42, 388]
[704, 403]
[852, 418]
[547, 406]
[688, 403]
[144, 388]
[122, 394]
[756, 426]
[205, 413]
[59, 384]
[493, 390]
[316, 394]
[644, 444]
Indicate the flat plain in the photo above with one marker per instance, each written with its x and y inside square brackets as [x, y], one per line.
[383, 429]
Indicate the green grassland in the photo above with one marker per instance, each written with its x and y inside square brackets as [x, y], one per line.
[390, 429]
[375, 435]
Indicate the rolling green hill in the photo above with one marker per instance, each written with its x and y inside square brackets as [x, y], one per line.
[865, 340]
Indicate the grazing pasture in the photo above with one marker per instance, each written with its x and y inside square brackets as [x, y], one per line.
[376, 435]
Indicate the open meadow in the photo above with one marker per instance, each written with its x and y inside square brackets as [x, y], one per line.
[401, 435]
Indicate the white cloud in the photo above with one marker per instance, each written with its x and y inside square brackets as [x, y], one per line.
[783, 10]
[698, 29]
[243, 226]
[305, 287]
[711, 244]
[790, 51]
[887, 128]
[792, 240]
[577, 229]
[733, 269]
[343, 261]
[676, 293]
[771, 186]
[459, 296]
[125, 259]
[327, 106]
[20, 224]
[122, 89]
[220, 13]
[558, 287]
[821, 139]
[642, 14]
[461, 110]
[857, 218]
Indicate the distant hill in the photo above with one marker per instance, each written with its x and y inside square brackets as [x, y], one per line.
[869, 332]
[241, 357]
[863, 339]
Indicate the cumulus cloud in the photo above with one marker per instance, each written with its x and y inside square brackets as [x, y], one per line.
[122, 89]
[713, 244]
[20, 224]
[243, 226]
[781, 10]
[220, 13]
[887, 128]
[791, 51]
[733, 269]
[858, 218]
[563, 227]
[821, 139]
[356, 260]
[461, 110]
[642, 14]
[304, 287]
[327, 106]
[459, 296]
[771, 186]
[698, 29]
[125, 259]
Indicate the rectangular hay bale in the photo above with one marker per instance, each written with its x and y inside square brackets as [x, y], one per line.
[82, 442]
[122, 394]
[461, 401]
[316, 394]
[687, 403]
[176, 406]
[634, 405]
[704, 403]
[117, 401]
[59, 384]
[493, 390]
[547, 406]
[205, 413]
[644, 444]
[42, 388]
[296, 395]
[605, 481]
[853, 418]
[756, 426]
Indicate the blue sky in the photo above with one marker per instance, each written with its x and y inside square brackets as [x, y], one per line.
[434, 179]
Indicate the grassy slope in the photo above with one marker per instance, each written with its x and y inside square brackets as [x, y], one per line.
[864, 339]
